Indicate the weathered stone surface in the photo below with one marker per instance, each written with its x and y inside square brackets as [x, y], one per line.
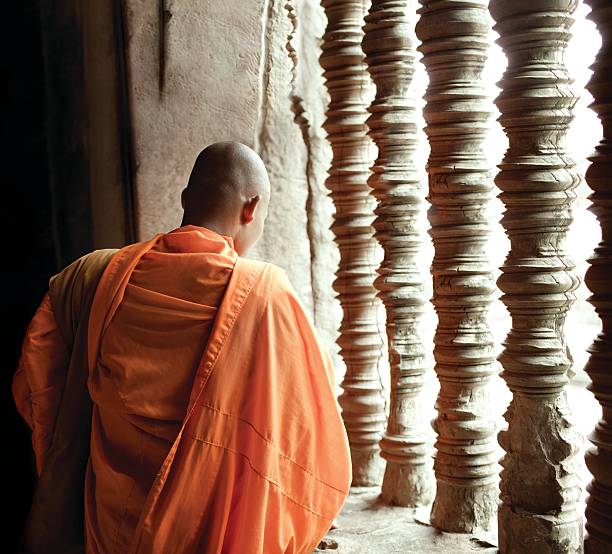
[454, 38]
[599, 281]
[539, 486]
[346, 79]
[389, 47]
[170, 124]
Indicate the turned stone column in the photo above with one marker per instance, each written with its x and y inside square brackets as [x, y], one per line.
[395, 184]
[454, 41]
[539, 485]
[363, 405]
[599, 282]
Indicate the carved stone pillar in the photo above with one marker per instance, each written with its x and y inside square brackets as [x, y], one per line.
[395, 184]
[539, 486]
[363, 405]
[599, 282]
[454, 44]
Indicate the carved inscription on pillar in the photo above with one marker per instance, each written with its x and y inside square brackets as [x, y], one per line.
[539, 486]
[347, 80]
[599, 282]
[454, 45]
[395, 184]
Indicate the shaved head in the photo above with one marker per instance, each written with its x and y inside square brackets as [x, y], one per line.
[227, 186]
[225, 174]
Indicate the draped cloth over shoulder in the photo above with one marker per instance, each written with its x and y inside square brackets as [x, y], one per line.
[261, 462]
[236, 447]
[56, 519]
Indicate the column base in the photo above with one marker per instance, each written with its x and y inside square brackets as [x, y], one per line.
[368, 467]
[545, 534]
[405, 485]
[460, 509]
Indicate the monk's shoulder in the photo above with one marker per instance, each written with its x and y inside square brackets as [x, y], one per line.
[279, 281]
[82, 274]
[85, 265]
[273, 284]
[279, 275]
[93, 257]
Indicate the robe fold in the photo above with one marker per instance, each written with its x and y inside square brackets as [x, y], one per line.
[215, 424]
[50, 390]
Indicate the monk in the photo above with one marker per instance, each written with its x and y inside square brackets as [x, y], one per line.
[179, 398]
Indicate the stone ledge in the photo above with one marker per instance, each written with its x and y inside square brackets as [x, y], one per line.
[366, 526]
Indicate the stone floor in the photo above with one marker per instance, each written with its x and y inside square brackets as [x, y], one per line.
[366, 526]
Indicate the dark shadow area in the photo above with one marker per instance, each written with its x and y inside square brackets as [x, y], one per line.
[27, 218]
[47, 198]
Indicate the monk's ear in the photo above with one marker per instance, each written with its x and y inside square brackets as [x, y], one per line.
[248, 210]
[183, 198]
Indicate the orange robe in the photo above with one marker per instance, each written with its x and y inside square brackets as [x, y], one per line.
[38, 381]
[215, 426]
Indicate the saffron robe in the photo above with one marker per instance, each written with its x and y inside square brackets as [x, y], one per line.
[260, 460]
[50, 387]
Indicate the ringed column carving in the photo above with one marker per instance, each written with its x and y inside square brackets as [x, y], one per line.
[599, 281]
[454, 45]
[539, 486]
[395, 184]
[346, 78]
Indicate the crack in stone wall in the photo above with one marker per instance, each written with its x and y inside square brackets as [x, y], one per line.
[301, 119]
[280, 144]
[264, 73]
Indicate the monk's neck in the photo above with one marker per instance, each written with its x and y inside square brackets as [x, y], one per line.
[216, 226]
